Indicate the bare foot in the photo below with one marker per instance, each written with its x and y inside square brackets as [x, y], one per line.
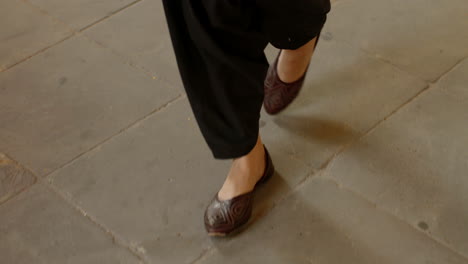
[292, 64]
[245, 173]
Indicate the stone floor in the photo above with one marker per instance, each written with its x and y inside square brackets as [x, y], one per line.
[101, 160]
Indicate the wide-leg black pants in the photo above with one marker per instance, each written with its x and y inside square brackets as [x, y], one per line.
[219, 46]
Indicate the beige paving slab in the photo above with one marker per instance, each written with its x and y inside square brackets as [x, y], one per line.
[322, 223]
[140, 34]
[346, 93]
[80, 13]
[24, 32]
[61, 103]
[415, 164]
[152, 184]
[424, 37]
[13, 178]
[39, 227]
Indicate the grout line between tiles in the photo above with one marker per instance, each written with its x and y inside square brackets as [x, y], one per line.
[428, 86]
[326, 164]
[449, 70]
[120, 56]
[382, 209]
[203, 255]
[109, 15]
[313, 173]
[122, 130]
[73, 32]
[36, 179]
[399, 68]
[47, 14]
[346, 146]
[116, 239]
[365, 133]
[36, 53]
[299, 185]
[80, 33]
[47, 182]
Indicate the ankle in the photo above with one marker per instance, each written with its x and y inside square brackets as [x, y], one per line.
[291, 68]
[245, 172]
[252, 161]
[292, 64]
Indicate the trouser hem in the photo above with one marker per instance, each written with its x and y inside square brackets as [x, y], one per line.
[230, 152]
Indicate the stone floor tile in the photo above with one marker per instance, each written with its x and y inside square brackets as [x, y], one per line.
[152, 184]
[80, 13]
[38, 227]
[13, 178]
[25, 31]
[415, 164]
[144, 41]
[59, 104]
[346, 93]
[424, 37]
[322, 223]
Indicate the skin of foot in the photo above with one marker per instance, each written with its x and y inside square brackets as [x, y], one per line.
[292, 64]
[244, 173]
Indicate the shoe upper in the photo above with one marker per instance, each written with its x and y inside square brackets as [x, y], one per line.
[278, 94]
[223, 217]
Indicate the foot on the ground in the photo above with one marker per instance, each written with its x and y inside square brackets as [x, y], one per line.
[244, 173]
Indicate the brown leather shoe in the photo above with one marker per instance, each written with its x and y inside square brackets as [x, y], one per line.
[278, 94]
[225, 217]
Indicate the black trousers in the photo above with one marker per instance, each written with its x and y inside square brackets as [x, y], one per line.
[219, 46]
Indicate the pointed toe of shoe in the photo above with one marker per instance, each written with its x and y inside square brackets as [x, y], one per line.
[224, 217]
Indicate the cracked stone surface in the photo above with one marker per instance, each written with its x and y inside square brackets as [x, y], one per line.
[101, 160]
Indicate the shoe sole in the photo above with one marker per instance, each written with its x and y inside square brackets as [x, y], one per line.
[230, 234]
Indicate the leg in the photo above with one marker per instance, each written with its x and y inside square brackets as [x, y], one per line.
[223, 66]
[244, 173]
[294, 27]
[222, 69]
[292, 64]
